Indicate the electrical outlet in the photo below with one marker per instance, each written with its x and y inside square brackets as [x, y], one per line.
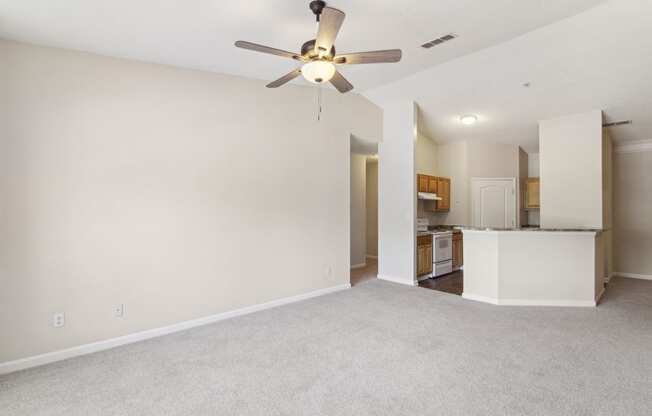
[119, 310]
[58, 320]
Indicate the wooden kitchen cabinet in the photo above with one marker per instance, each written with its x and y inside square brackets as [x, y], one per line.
[532, 193]
[458, 251]
[444, 192]
[424, 254]
[435, 185]
[422, 183]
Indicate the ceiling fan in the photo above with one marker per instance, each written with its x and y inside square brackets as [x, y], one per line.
[318, 55]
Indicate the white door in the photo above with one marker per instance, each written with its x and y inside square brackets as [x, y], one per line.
[493, 202]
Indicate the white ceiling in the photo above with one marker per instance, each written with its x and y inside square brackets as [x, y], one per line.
[200, 33]
[599, 59]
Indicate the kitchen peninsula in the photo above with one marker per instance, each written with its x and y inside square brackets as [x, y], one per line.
[531, 266]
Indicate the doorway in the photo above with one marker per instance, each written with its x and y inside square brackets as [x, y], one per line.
[493, 202]
[364, 211]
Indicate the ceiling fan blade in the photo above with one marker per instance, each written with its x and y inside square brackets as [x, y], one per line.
[284, 79]
[266, 49]
[341, 83]
[372, 57]
[330, 22]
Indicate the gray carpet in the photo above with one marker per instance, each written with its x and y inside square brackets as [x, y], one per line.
[377, 349]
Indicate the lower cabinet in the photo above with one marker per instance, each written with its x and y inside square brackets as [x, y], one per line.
[424, 255]
[458, 251]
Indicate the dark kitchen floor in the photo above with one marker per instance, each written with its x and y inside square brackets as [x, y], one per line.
[449, 283]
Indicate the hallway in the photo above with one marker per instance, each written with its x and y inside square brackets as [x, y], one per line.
[368, 272]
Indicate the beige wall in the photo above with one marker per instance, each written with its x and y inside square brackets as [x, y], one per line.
[358, 209]
[632, 207]
[426, 155]
[178, 193]
[372, 208]
[462, 161]
[493, 160]
[570, 159]
[452, 162]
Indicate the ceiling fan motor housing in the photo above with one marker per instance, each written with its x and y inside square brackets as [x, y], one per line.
[308, 51]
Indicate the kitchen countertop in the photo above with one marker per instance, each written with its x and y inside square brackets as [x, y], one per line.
[529, 229]
[432, 229]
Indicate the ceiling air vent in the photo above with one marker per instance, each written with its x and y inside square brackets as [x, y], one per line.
[438, 41]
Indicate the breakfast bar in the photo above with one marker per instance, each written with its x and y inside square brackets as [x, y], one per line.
[535, 267]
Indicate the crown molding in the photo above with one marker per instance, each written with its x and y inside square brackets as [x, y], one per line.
[634, 147]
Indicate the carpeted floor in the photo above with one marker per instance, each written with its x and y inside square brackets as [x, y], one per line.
[377, 349]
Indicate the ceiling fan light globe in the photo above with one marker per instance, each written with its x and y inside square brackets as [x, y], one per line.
[318, 72]
[469, 119]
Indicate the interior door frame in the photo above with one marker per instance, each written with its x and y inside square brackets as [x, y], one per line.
[514, 184]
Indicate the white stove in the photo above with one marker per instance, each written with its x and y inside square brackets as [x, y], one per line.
[442, 248]
[442, 253]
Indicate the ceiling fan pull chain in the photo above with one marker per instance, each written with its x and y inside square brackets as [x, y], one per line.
[319, 103]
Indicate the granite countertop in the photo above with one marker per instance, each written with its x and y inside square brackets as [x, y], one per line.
[529, 229]
[432, 229]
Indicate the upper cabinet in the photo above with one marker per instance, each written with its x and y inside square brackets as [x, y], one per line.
[444, 192]
[422, 183]
[435, 185]
[532, 193]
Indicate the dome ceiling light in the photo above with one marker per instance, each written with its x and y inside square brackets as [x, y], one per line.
[468, 119]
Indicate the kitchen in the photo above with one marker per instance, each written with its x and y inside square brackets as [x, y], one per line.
[487, 214]
[439, 247]
[445, 173]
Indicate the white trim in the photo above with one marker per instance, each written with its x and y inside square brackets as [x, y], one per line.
[369, 256]
[478, 298]
[633, 275]
[634, 147]
[50, 357]
[399, 280]
[530, 302]
[358, 266]
[608, 277]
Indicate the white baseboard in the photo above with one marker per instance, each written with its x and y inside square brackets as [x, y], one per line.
[369, 256]
[633, 275]
[530, 302]
[400, 280]
[608, 277]
[477, 298]
[358, 266]
[50, 357]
